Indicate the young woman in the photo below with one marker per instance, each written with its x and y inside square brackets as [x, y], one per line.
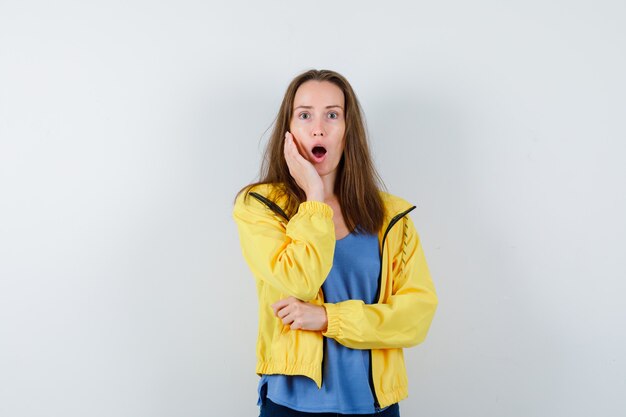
[340, 273]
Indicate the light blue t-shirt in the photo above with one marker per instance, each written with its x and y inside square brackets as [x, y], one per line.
[345, 382]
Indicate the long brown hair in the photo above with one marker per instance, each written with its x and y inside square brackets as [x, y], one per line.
[357, 184]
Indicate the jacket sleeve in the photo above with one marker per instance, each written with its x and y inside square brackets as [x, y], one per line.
[403, 320]
[294, 258]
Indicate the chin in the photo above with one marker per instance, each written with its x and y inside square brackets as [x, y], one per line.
[322, 172]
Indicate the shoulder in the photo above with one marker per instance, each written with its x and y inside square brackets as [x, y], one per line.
[259, 200]
[263, 190]
[394, 204]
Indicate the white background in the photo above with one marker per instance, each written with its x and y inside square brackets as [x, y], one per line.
[126, 127]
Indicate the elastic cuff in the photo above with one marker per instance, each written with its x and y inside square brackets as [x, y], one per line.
[312, 207]
[332, 314]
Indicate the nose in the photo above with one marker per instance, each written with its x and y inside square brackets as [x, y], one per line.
[318, 131]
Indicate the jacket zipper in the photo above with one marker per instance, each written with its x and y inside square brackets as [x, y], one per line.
[393, 221]
[276, 209]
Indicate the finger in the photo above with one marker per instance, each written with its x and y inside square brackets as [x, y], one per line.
[287, 144]
[299, 147]
[292, 309]
[288, 319]
[290, 140]
[293, 146]
[280, 304]
[291, 154]
[276, 309]
[283, 302]
[283, 312]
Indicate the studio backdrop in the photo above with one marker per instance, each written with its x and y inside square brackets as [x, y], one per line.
[127, 127]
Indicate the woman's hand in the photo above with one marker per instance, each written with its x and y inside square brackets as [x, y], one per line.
[303, 171]
[300, 315]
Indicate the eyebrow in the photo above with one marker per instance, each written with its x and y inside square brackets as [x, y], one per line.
[310, 107]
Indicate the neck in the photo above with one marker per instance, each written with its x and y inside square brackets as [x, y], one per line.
[329, 187]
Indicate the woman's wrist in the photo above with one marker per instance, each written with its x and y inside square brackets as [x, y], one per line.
[316, 195]
[325, 323]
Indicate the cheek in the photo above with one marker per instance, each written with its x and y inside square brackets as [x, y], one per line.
[341, 139]
[295, 129]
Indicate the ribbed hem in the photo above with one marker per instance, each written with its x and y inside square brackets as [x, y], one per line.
[313, 207]
[391, 397]
[312, 371]
[333, 315]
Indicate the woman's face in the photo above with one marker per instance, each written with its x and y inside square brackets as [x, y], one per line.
[318, 124]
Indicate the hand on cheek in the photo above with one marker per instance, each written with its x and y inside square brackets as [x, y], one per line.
[303, 171]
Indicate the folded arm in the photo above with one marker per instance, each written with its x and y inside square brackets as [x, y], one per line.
[295, 257]
[401, 321]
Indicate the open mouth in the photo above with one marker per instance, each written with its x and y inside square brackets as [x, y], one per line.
[319, 152]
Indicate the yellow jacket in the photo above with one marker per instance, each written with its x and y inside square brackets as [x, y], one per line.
[292, 257]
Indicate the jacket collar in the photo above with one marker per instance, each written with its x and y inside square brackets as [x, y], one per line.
[395, 209]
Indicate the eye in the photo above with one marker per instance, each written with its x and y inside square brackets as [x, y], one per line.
[303, 114]
[333, 115]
